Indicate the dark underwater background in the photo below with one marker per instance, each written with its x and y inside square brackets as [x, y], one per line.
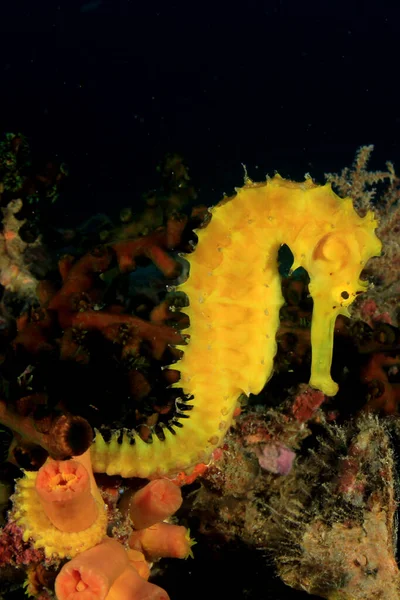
[110, 86]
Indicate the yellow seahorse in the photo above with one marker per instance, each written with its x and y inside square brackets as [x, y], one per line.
[234, 290]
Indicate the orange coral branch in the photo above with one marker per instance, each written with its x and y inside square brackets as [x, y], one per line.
[35, 335]
[384, 395]
[153, 246]
[159, 336]
[79, 279]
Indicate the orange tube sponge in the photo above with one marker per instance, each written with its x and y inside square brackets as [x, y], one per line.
[130, 586]
[155, 502]
[63, 488]
[90, 575]
[162, 540]
[42, 519]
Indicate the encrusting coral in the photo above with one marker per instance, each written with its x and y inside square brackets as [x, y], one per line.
[343, 545]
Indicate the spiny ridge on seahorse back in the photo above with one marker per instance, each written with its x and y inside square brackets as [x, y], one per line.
[234, 292]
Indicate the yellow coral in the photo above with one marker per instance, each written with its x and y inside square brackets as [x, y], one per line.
[235, 296]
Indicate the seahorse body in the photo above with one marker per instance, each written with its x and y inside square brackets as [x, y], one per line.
[234, 291]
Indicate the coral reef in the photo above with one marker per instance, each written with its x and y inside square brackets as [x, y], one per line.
[139, 350]
[345, 517]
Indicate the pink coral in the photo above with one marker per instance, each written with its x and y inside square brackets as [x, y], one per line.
[306, 404]
[14, 550]
[276, 458]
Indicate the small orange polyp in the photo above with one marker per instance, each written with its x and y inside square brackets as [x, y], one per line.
[162, 540]
[63, 488]
[130, 586]
[155, 502]
[90, 575]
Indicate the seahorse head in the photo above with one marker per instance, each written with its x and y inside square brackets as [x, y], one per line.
[334, 263]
